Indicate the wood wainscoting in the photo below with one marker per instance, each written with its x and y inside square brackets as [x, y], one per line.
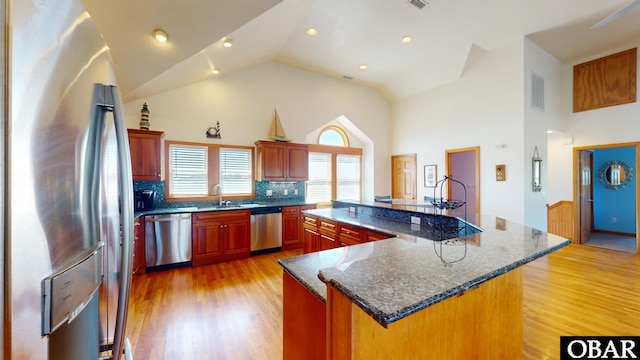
[561, 220]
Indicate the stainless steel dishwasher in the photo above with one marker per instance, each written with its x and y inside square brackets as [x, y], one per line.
[167, 239]
[266, 229]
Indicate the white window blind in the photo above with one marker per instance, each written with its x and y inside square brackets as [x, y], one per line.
[319, 184]
[348, 177]
[188, 170]
[235, 171]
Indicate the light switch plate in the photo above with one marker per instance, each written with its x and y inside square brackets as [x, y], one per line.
[269, 192]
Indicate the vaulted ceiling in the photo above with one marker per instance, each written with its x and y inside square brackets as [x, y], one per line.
[448, 35]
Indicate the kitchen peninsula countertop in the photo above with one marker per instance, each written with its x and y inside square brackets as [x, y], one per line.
[391, 279]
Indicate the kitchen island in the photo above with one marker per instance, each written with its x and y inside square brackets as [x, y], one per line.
[410, 296]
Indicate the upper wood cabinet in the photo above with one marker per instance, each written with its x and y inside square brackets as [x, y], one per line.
[279, 161]
[146, 147]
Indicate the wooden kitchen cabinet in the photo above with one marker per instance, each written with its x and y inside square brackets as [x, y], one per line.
[375, 236]
[146, 148]
[328, 234]
[278, 161]
[310, 237]
[350, 235]
[139, 262]
[219, 236]
[292, 226]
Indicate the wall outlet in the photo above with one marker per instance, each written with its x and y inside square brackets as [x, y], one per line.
[285, 192]
[613, 219]
[352, 209]
[415, 220]
[269, 192]
[295, 191]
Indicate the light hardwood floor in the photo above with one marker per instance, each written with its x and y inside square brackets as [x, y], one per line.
[234, 310]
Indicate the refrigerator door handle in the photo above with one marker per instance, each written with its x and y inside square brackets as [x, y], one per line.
[112, 102]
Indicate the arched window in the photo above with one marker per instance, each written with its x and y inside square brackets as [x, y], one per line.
[333, 135]
[334, 168]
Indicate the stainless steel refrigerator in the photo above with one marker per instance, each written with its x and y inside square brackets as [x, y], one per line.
[68, 206]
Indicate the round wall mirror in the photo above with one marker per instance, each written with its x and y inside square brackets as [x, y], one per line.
[615, 175]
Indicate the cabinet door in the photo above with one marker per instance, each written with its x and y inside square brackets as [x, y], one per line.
[291, 228]
[309, 240]
[237, 236]
[139, 264]
[145, 147]
[327, 242]
[273, 163]
[208, 242]
[297, 163]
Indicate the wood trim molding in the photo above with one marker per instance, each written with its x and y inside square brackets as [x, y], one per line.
[560, 220]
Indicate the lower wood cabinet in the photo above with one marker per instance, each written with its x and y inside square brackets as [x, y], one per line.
[292, 226]
[327, 230]
[139, 262]
[310, 239]
[220, 236]
[322, 234]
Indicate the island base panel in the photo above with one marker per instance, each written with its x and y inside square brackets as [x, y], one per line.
[304, 322]
[482, 323]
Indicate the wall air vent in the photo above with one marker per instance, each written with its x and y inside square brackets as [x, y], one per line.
[537, 91]
[418, 3]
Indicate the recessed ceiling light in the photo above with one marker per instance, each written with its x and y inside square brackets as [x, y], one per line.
[227, 43]
[406, 39]
[363, 67]
[215, 71]
[312, 32]
[160, 36]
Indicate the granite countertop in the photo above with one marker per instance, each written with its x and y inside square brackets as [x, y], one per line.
[205, 207]
[391, 279]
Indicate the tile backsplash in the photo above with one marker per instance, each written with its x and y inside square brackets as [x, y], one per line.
[276, 190]
[265, 191]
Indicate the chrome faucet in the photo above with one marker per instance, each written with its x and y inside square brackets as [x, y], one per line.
[217, 186]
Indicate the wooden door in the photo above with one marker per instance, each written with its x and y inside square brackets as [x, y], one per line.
[463, 165]
[403, 176]
[585, 166]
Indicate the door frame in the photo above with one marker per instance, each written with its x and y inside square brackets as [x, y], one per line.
[414, 180]
[476, 150]
[576, 186]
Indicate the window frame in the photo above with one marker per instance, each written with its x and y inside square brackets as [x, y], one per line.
[339, 130]
[213, 171]
[335, 151]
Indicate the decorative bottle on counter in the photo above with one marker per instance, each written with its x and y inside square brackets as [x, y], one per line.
[144, 117]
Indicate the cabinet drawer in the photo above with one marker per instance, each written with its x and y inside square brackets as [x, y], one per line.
[353, 232]
[327, 227]
[290, 211]
[219, 215]
[374, 236]
[311, 221]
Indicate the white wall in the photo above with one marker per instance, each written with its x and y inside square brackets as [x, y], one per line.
[244, 103]
[483, 108]
[610, 125]
[536, 123]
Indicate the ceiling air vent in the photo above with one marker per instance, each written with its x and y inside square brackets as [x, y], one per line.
[418, 3]
[537, 91]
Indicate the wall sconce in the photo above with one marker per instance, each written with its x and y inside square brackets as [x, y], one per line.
[536, 172]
